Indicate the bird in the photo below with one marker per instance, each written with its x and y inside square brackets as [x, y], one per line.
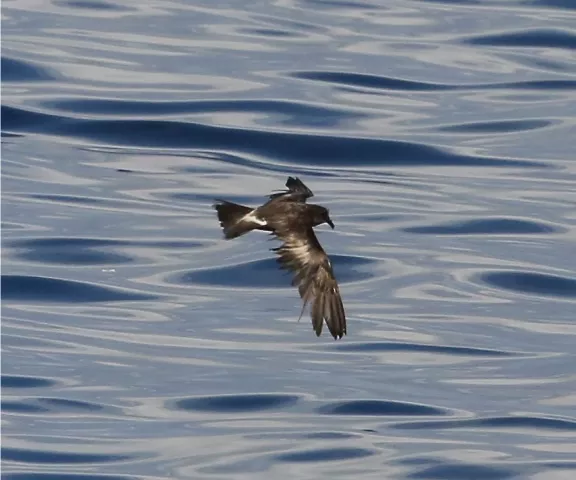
[288, 217]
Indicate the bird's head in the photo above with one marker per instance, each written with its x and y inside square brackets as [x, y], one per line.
[321, 215]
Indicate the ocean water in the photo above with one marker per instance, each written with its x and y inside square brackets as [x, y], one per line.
[138, 344]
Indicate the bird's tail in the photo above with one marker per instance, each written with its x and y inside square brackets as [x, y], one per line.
[232, 218]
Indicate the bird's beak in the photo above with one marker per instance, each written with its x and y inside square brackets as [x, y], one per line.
[329, 222]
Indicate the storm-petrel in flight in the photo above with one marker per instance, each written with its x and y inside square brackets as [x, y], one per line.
[287, 216]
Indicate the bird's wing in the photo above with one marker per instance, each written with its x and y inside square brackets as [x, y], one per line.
[297, 191]
[302, 254]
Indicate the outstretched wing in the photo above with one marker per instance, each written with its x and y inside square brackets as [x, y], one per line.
[302, 254]
[297, 191]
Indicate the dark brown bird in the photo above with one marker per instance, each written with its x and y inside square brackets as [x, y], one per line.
[287, 216]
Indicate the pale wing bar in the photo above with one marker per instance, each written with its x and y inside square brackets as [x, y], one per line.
[303, 254]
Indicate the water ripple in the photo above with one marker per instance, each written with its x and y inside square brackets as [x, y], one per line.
[499, 423]
[85, 251]
[137, 344]
[20, 71]
[532, 283]
[411, 347]
[390, 83]
[16, 381]
[308, 149]
[266, 274]
[236, 403]
[92, 5]
[281, 111]
[64, 476]
[22, 407]
[43, 456]
[28, 288]
[528, 38]
[324, 455]
[487, 226]
[381, 408]
[500, 127]
[463, 470]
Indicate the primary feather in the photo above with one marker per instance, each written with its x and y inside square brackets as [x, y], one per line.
[297, 191]
[313, 275]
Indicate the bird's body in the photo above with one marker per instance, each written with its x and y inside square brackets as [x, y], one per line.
[287, 216]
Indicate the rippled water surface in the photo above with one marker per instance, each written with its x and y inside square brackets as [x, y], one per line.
[138, 344]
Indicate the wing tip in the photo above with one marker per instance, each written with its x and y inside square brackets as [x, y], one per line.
[338, 335]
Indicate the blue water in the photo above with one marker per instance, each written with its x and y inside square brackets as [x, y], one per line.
[138, 344]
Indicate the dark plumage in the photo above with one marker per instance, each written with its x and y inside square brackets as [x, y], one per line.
[287, 216]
